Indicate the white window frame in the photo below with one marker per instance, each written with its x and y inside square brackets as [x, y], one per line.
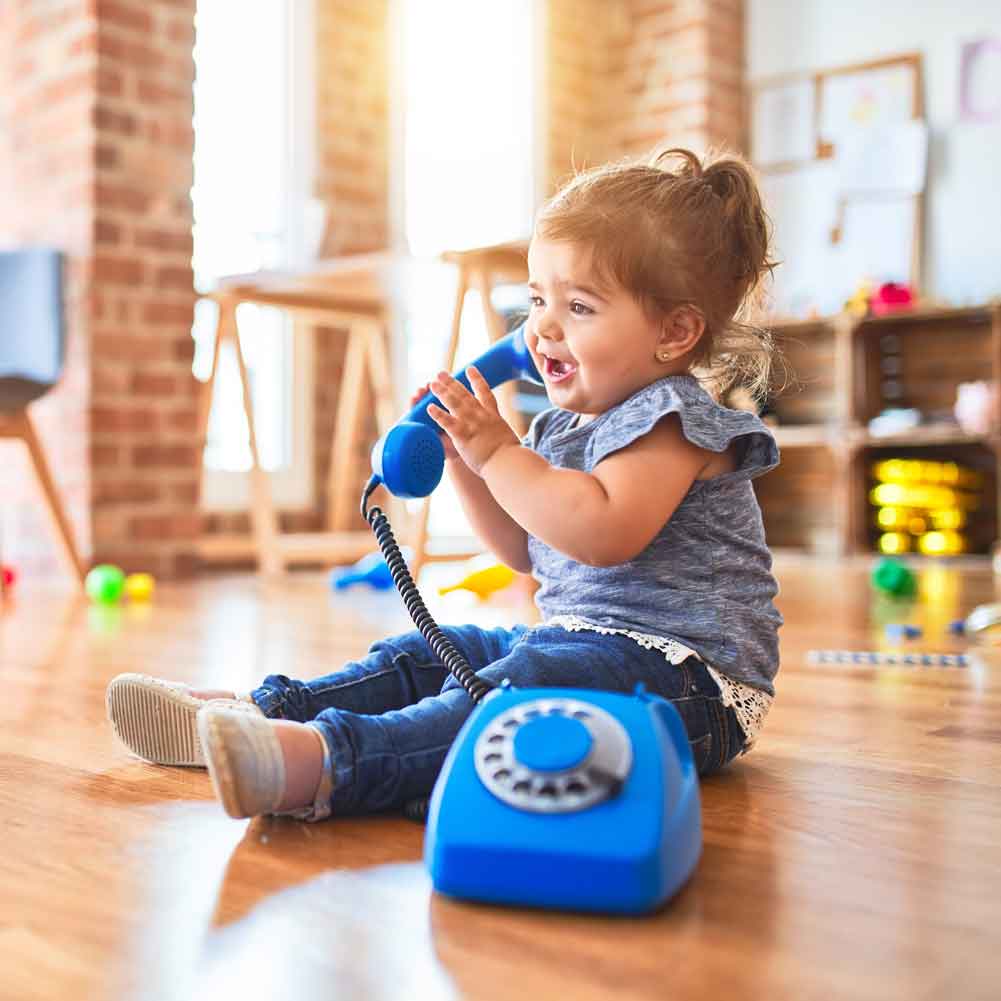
[293, 484]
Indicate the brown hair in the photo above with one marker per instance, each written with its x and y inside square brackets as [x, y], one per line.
[678, 230]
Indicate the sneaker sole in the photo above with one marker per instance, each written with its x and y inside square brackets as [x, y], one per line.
[156, 722]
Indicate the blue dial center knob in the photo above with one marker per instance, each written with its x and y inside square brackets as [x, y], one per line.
[552, 743]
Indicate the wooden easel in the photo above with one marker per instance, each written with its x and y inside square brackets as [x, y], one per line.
[480, 269]
[343, 294]
[19, 425]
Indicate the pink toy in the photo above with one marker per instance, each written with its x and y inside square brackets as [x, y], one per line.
[890, 298]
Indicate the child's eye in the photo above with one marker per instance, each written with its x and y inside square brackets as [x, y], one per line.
[580, 308]
[536, 300]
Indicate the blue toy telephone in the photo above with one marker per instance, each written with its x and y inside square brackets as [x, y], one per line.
[549, 797]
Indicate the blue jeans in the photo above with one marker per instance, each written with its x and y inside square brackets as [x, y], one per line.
[390, 719]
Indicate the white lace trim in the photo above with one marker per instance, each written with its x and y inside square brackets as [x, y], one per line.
[750, 704]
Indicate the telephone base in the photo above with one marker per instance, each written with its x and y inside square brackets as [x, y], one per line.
[571, 799]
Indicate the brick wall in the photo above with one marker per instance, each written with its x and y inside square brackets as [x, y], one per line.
[666, 72]
[144, 397]
[97, 147]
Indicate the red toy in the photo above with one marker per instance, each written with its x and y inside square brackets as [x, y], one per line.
[891, 298]
[8, 576]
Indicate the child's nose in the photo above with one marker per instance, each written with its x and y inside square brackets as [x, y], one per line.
[548, 329]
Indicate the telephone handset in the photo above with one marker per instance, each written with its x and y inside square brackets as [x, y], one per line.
[409, 458]
[563, 798]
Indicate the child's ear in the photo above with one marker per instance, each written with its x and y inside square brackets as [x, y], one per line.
[682, 329]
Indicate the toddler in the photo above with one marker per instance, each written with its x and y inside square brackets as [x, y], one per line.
[629, 501]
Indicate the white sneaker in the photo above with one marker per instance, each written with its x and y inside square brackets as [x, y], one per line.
[244, 759]
[156, 719]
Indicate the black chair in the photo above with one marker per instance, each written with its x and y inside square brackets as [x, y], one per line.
[32, 342]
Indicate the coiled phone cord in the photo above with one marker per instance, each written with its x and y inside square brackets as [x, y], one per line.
[458, 666]
[460, 669]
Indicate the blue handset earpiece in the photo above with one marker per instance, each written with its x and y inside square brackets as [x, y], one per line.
[409, 458]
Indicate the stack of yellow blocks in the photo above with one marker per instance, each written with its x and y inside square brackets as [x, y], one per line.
[923, 505]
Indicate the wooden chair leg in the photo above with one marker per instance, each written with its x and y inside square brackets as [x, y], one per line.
[60, 522]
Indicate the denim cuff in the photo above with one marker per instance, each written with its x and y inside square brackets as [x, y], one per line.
[268, 701]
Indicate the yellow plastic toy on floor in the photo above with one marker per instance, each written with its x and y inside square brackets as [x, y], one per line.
[483, 579]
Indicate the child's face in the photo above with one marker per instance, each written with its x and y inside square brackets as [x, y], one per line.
[593, 344]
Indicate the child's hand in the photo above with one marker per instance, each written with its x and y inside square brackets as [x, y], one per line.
[472, 420]
[450, 452]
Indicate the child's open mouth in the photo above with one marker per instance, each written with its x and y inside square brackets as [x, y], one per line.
[558, 371]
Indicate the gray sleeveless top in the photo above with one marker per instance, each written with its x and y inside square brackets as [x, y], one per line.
[705, 580]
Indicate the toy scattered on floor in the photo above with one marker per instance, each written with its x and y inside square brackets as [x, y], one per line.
[105, 584]
[881, 657]
[957, 627]
[371, 569]
[483, 581]
[902, 631]
[893, 577]
[139, 586]
[982, 617]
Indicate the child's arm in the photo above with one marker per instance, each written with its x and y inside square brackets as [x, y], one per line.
[499, 532]
[600, 518]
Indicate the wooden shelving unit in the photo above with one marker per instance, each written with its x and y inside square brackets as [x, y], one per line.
[841, 377]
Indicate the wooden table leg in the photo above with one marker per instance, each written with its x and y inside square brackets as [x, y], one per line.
[226, 317]
[347, 430]
[506, 395]
[262, 506]
[419, 538]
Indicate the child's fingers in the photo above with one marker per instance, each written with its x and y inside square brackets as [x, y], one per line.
[451, 392]
[441, 417]
[481, 388]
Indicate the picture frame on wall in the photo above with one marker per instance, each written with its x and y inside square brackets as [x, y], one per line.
[842, 155]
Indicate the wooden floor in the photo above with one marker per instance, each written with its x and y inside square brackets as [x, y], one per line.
[855, 853]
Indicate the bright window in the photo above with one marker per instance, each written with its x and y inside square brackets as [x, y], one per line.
[251, 176]
[468, 97]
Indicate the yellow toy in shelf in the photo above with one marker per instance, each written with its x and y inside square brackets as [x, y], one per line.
[482, 580]
[922, 504]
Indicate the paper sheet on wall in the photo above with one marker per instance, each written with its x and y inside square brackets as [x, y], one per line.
[816, 275]
[782, 123]
[802, 206]
[865, 99]
[883, 159]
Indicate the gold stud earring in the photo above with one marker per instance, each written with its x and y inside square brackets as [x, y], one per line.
[664, 356]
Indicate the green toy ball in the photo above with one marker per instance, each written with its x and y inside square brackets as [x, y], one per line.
[105, 584]
[893, 577]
